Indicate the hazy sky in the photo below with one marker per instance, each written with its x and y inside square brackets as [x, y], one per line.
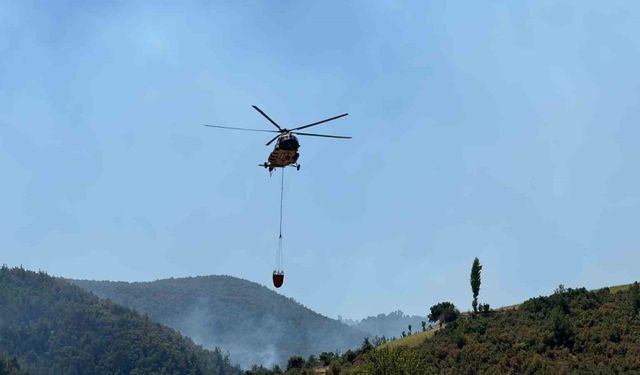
[499, 129]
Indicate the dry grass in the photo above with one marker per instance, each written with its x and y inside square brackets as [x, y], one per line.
[411, 341]
[619, 288]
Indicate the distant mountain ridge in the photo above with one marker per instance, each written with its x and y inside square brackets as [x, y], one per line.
[388, 325]
[254, 323]
[53, 327]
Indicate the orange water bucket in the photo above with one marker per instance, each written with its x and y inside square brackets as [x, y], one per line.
[278, 278]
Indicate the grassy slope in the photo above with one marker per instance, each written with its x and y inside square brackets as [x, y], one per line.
[619, 288]
[411, 341]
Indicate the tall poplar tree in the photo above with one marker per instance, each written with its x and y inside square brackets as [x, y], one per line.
[476, 268]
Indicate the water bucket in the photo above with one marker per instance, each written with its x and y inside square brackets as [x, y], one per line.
[278, 278]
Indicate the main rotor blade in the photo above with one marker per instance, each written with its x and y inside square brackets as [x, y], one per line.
[245, 129]
[322, 135]
[271, 141]
[267, 117]
[320, 122]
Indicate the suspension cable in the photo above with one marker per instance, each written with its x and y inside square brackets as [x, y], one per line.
[279, 257]
[281, 199]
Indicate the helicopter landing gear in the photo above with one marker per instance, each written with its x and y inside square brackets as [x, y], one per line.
[295, 161]
[267, 165]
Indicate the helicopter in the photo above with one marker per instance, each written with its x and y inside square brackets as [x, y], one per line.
[285, 152]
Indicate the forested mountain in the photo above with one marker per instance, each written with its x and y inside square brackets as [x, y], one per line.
[54, 327]
[573, 331]
[252, 322]
[389, 325]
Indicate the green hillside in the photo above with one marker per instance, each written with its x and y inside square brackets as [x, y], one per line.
[417, 338]
[573, 331]
[54, 327]
[252, 322]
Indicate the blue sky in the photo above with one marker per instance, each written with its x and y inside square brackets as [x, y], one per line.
[503, 130]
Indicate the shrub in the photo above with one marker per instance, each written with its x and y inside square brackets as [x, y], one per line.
[443, 312]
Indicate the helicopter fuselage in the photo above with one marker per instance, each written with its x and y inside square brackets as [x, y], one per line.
[285, 152]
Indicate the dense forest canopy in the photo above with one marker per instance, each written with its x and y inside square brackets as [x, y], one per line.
[9, 366]
[55, 328]
[255, 324]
